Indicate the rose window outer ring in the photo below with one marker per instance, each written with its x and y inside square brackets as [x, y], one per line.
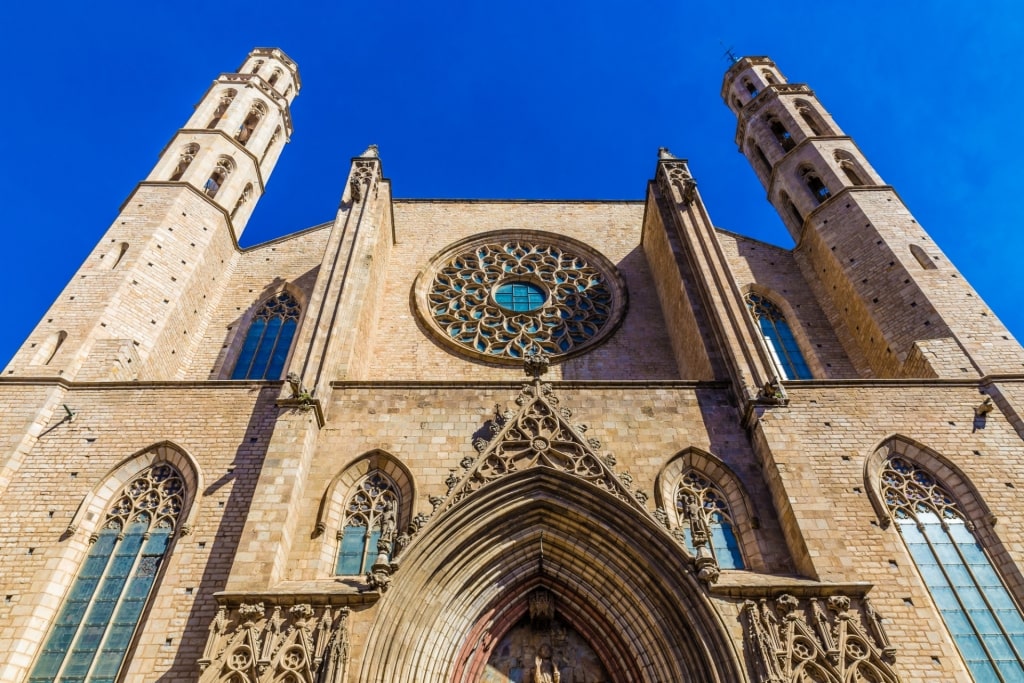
[454, 295]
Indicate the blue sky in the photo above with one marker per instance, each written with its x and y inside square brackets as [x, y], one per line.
[563, 99]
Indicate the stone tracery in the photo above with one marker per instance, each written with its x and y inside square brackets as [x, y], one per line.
[575, 298]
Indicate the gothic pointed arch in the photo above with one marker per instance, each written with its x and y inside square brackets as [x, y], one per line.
[333, 512]
[780, 330]
[696, 463]
[971, 501]
[140, 505]
[89, 514]
[949, 537]
[614, 575]
[265, 334]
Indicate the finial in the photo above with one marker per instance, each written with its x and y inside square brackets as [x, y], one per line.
[536, 362]
[370, 152]
[663, 153]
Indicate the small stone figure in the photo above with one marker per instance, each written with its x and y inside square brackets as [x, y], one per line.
[544, 670]
[388, 528]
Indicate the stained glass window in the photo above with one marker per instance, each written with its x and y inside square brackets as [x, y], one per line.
[520, 296]
[269, 339]
[710, 504]
[979, 612]
[370, 516]
[778, 338]
[101, 612]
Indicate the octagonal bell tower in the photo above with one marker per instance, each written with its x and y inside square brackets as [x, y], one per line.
[138, 305]
[890, 287]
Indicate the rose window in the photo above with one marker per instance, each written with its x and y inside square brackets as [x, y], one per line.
[497, 297]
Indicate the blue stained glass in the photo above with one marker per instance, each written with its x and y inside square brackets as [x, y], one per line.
[520, 296]
[977, 609]
[784, 348]
[99, 617]
[259, 363]
[727, 549]
[983, 672]
[350, 555]
[252, 341]
[268, 340]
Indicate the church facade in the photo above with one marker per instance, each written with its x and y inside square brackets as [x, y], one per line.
[513, 441]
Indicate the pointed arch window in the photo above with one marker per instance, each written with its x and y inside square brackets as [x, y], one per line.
[778, 338]
[810, 117]
[269, 339]
[102, 610]
[370, 524]
[248, 127]
[219, 176]
[222, 107]
[188, 155]
[854, 173]
[696, 495]
[815, 184]
[975, 605]
[782, 135]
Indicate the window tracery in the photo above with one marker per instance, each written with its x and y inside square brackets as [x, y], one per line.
[188, 155]
[778, 337]
[977, 609]
[219, 176]
[225, 101]
[499, 298]
[269, 339]
[370, 524]
[102, 610]
[702, 510]
[248, 127]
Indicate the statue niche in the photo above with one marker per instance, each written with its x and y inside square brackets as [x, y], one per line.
[542, 648]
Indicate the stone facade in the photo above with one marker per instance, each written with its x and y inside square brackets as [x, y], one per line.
[519, 465]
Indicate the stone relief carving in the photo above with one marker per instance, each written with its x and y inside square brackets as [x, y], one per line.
[540, 434]
[542, 648]
[674, 179]
[792, 641]
[291, 642]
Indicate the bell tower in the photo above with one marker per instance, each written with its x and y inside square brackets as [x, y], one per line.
[137, 306]
[891, 292]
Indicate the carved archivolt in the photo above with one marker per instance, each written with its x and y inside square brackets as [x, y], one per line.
[255, 643]
[794, 642]
[498, 295]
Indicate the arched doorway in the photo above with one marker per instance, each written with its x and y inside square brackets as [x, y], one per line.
[623, 603]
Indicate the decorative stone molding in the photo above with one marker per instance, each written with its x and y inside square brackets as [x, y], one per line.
[540, 434]
[465, 296]
[790, 641]
[291, 644]
[674, 179]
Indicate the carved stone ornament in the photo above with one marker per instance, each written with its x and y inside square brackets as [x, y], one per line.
[539, 434]
[675, 181]
[495, 296]
[792, 641]
[303, 642]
